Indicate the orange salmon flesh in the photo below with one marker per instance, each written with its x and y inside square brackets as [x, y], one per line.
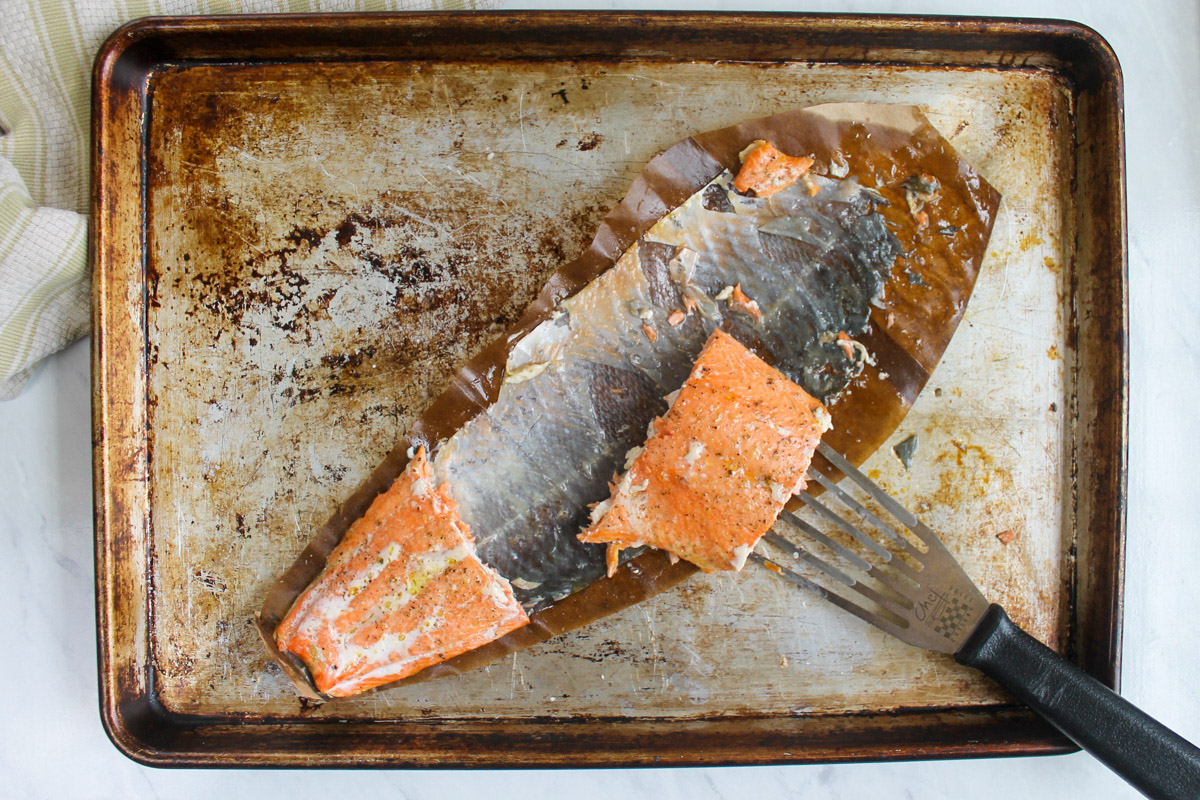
[766, 170]
[403, 590]
[719, 465]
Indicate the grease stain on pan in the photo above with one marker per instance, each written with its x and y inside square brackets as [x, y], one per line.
[329, 242]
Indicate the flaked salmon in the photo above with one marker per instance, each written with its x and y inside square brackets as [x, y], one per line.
[785, 274]
[765, 170]
[404, 589]
[718, 466]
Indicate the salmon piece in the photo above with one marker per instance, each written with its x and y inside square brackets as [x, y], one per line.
[740, 301]
[719, 465]
[846, 343]
[765, 170]
[403, 590]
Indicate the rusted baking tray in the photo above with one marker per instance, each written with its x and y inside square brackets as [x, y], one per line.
[302, 227]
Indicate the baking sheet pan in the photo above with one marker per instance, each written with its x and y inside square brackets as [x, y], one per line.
[258, 355]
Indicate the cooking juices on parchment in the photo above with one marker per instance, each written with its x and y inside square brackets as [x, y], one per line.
[784, 260]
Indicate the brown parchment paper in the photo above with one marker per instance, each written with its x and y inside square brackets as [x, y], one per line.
[922, 303]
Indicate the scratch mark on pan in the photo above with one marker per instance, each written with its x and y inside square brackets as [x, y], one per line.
[321, 165]
[418, 218]
[636, 77]
[241, 236]
[478, 183]
[654, 656]
[473, 221]
[272, 164]
[424, 177]
[534, 168]
[1000, 437]
[286, 167]
[200, 167]
[1006, 220]
[1015, 331]
[696, 658]
[521, 119]
[737, 585]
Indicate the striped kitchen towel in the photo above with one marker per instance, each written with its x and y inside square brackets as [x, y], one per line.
[46, 53]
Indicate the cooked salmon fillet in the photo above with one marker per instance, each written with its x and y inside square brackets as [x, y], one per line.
[718, 466]
[403, 590]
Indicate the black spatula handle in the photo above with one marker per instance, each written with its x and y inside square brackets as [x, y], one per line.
[1153, 758]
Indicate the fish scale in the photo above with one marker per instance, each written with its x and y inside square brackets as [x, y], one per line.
[619, 399]
[654, 258]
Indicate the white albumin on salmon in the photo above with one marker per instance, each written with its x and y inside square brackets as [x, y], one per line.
[402, 590]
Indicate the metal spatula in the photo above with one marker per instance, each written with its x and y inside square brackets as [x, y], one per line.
[918, 592]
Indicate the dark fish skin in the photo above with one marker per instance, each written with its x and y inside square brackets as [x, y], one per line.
[581, 389]
[620, 400]
[716, 198]
[655, 259]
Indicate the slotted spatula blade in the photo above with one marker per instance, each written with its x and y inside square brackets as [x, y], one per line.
[908, 584]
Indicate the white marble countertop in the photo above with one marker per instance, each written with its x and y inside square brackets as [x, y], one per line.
[51, 741]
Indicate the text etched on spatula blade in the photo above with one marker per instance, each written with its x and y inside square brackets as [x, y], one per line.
[946, 612]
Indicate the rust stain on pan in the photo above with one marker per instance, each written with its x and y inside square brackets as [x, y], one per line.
[185, 643]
